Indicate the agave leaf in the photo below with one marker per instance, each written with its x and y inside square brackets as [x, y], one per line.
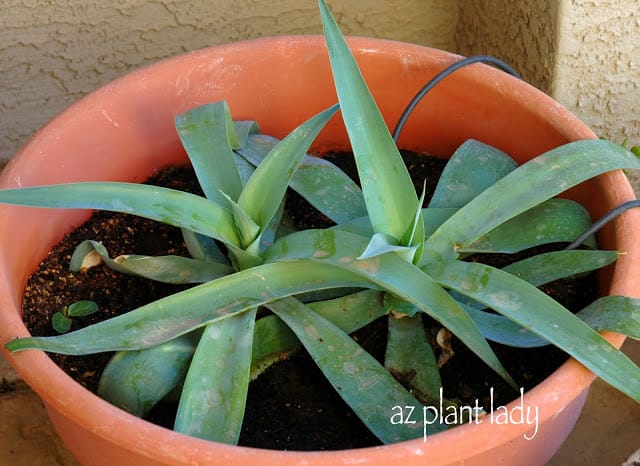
[273, 340]
[357, 377]
[388, 190]
[472, 168]
[537, 270]
[190, 309]
[550, 266]
[609, 313]
[431, 217]
[162, 204]
[553, 221]
[203, 247]
[244, 129]
[215, 390]
[534, 310]
[248, 230]
[410, 358]
[527, 186]
[262, 195]
[614, 314]
[502, 330]
[245, 169]
[166, 269]
[207, 134]
[136, 380]
[319, 181]
[391, 273]
[382, 244]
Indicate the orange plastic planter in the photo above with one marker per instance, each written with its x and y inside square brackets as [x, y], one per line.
[124, 131]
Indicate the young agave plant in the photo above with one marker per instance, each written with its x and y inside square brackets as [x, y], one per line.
[402, 259]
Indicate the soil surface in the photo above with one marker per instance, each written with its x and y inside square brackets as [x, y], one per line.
[291, 405]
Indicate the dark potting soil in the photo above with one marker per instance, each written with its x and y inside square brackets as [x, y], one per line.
[291, 405]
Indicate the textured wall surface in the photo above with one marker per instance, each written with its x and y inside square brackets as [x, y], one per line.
[523, 34]
[54, 51]
[598, 66]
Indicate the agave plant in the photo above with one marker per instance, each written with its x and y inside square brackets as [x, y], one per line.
[387, 256]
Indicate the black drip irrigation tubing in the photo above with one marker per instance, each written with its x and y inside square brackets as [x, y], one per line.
[487, 59]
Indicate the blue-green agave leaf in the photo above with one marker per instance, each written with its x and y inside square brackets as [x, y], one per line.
[207, 134]
[274, 341]
[391, 273]
[136, 380]
[389, 194]
[187, 310]
[262, 195]
[247, 229]
[359, 379]
[534, 310]
[610, 313]
[619, 314]
[319, 181]
[553, 221]
[215, 390]
[203, 247]
[410, 358]
[472, 168]
[527, 186]
[381, 243]
[537, 270]
[550, 266]
[244, 129]
[169, 206]
[166, 269]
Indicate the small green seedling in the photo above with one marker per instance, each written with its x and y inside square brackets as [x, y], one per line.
[62, 320]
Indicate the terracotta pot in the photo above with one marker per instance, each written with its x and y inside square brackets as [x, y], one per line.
[124, 131]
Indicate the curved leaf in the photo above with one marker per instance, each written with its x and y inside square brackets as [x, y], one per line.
[136, 380]
[208, 135]
[262, 195]
[534, 310]
[550, 266]
[162, 204]
[614, 314]
[273, 340]
[387, 187]
[553, 221]
[319, 181]
[537, 270]
[215, 390]
[166, 269]
[187, 310]
[410, 358]
[609, 313]
[203, 247]
[472, 168]
[527, 186]
[358, 378]
[391, 273]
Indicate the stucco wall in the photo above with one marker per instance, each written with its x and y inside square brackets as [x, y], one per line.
[597, 71]
[53, 52]
[523, 34]
[584, 53]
